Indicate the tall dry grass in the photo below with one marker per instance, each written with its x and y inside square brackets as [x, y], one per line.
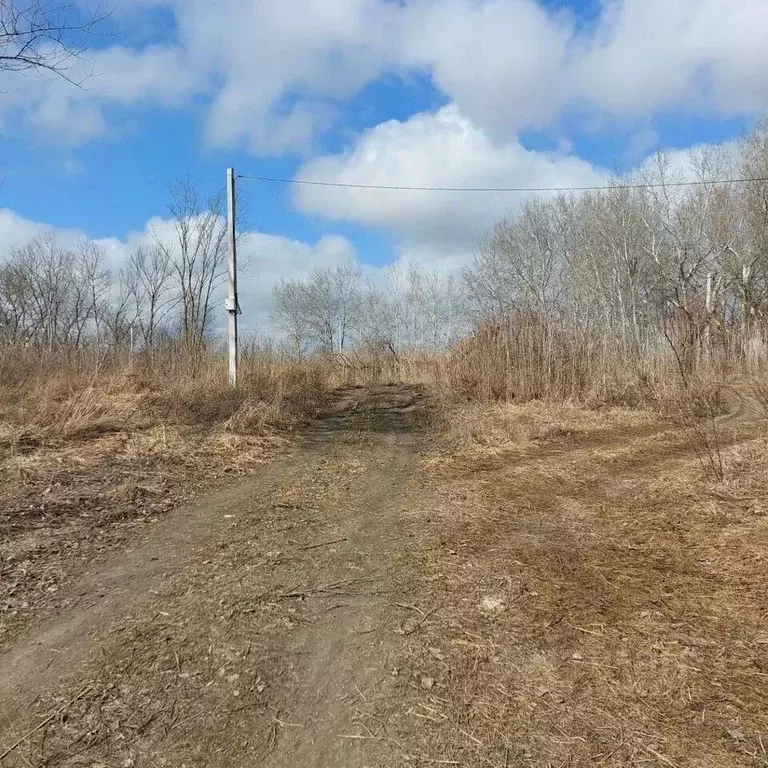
[534, 358]
[76, 394]
[71, 395]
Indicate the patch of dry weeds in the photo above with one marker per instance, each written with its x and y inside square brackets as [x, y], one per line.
[600, 602]
[75, 486]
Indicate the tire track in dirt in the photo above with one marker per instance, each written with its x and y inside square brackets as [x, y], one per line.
[316, 618]
[339, 664]
[343, 668]
[39, 656]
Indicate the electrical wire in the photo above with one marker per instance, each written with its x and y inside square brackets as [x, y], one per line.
[604, 188]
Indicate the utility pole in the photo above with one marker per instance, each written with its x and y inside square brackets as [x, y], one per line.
[232, 305]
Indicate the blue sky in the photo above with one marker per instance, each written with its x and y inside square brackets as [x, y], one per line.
[415, 92]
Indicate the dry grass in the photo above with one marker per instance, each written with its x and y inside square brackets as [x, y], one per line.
[215, 666]
[599, 600]
[578, 592]
[588, 582]
[90, 450]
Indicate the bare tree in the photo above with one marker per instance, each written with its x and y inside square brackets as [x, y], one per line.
[119, 317]
[44, 279]
[519, 263]
[331, 299]
[377, 318]
[149, 282]
[395, 299]
[197, 251]
[335, 309]
[346, 285]
[37, 35]
[635, 272]
[290, 312]
[92, 286]
[15, 303]
[52, 296]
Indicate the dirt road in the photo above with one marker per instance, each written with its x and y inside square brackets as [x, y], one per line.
[536, 585]
[256, 627]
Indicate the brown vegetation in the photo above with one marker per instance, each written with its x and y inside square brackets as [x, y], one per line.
[565, 582]
[92, 448]
[590, 597]
[583, 553]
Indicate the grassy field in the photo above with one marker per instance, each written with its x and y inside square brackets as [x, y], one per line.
[598, 599]
[418, 578]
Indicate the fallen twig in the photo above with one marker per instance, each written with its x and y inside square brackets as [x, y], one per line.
[659, 756]
[47, 720]
[410, 607]
[328, 588]
[419, 624]
[324, 544]
[587, 631]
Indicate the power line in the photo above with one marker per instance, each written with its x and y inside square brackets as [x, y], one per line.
[605, 188]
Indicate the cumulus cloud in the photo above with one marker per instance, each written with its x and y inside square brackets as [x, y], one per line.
[650, 54]
[444, 149]
[510, 63]
[268, 73]
[271, 75]
[269, 258]
[15, 230]
[116, 77]
[504, 62]
[284, 65]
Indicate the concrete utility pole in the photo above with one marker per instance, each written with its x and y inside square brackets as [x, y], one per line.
[232, 304]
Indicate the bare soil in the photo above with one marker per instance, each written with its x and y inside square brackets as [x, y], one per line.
[67, 503]
[252, 627]
[502, 586]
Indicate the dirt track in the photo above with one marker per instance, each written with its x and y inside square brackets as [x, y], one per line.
[251, 628]
[539, 585]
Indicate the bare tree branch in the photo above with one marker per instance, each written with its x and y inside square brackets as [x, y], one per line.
[44, 36]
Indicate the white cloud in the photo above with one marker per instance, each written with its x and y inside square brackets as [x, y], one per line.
[15, 230]
[697, 54]
[510, 63]
[504, 62]
[309, 54]
[269, 258]
[115, 77]
[443, 149]
[271, 74]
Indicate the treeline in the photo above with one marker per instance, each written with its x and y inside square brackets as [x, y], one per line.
[615, 294]
[659, 263]
[337, 308]
[54, 297]
[663, 265]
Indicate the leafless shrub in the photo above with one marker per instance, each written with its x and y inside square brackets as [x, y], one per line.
[698, 410]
